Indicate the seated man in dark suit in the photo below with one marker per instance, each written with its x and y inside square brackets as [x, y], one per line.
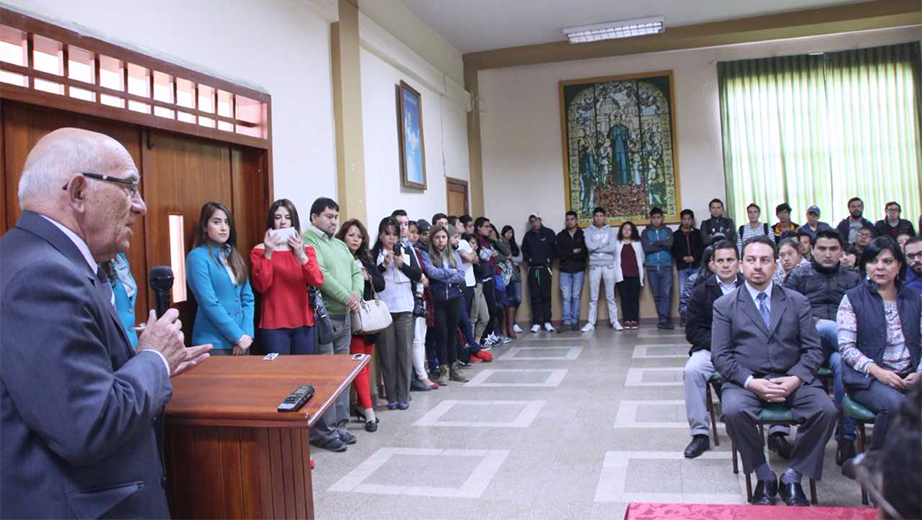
[765, 345]
[78, 407]
[699, 369]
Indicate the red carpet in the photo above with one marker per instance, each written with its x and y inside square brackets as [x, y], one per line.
[659, 511]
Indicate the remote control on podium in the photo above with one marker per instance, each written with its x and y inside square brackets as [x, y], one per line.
[296, 399]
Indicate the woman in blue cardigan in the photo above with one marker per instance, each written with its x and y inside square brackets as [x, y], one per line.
[125, 291]
[217, 275]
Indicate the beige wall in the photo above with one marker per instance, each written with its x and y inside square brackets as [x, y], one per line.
[520, 125]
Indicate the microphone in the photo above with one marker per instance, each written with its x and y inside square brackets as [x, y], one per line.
[161, 282]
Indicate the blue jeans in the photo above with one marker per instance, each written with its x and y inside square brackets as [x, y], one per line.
[288, 341]
[661, 285]
[829, 338]
[683, 277]
[571, 285]
[514, 294]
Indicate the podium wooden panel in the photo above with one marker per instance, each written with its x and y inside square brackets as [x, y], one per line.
[229, 452]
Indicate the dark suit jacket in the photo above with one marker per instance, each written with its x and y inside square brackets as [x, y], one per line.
[741, 345]
[700, 313]
[77, 408]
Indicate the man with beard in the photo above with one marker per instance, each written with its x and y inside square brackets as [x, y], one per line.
[913, 252]
[855, 222]
[824, 282]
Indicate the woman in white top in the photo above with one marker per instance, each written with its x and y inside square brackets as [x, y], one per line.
[400, 269]
[629, 258]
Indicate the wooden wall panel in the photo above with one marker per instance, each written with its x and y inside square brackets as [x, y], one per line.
[23, 126]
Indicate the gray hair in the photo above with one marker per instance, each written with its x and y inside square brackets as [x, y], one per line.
[58, 156]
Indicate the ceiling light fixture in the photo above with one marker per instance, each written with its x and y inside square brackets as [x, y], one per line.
[613, 30]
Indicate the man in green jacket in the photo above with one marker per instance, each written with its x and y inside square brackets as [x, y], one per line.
[341, 289]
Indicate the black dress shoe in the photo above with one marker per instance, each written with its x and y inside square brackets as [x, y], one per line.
[372, 426]
[778, 443]
[845, 451]
[698, 445]
[765, 492]
[792, 494]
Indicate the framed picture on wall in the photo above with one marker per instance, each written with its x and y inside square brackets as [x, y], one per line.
[410, 130]
[619, 147]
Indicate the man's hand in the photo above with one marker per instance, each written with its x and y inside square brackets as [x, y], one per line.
[912, 378]
[353, 302]
[788, 384]
[165, 336]
[887, 377]
[767, 390]
[688, 259]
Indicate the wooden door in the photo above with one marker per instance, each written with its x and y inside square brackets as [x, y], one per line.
[23, 125]
[182, 174]
[457, 197]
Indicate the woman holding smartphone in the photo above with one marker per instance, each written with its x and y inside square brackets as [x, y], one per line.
[283, 268]
[217, 276]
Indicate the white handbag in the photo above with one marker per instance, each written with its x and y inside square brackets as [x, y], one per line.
[372, 316]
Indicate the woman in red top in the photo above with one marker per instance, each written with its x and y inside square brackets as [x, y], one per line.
[283, 267]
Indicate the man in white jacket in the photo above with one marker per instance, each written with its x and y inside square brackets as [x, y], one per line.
[600, 243]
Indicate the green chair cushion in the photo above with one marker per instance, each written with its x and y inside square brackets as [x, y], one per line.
[856, 411]
[824, 372]
[777, 413]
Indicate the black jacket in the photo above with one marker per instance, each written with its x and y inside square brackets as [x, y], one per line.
[700, 313]
[539, 247]
[377, 279]
[680, 247]
[824, 288]
[717, 226]
[413, 270]
[885, 230]
[571, 260]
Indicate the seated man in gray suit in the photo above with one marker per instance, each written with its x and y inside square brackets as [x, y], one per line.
[765, 344]
[78, 408]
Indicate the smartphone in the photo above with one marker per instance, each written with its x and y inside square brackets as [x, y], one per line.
[282, 235]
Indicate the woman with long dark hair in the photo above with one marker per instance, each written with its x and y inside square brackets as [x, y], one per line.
[217, 276]
[514, 286]
[443, 267]
[283, 268]
[396, 341]
[880, 329]
[629, 257]
[355, 236]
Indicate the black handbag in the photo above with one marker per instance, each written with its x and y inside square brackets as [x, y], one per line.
[322, 321]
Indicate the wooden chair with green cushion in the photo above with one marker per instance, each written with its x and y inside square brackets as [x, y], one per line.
[772, 414]
[714, 381]
[862, 416]
[824, 374]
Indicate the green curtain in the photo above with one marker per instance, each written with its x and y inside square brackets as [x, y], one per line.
[820, 129]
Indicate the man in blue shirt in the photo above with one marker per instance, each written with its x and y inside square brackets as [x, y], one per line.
[913, 252]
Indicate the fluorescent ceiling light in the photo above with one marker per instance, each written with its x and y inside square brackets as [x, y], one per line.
[612, 30]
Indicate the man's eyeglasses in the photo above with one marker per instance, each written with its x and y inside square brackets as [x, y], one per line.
[133, 185]
[914, 256]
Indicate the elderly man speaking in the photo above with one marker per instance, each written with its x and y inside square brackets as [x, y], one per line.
[78, 408]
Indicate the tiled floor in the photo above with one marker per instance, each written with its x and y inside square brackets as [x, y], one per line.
[560, 426]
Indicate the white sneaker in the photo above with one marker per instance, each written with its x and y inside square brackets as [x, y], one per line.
[505, 339]
[535, 329]
[516, 328]
[617, 325]
[548, 327]
[494, 339]
[588, 328]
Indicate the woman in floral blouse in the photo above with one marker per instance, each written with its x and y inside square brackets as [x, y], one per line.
[879, 335]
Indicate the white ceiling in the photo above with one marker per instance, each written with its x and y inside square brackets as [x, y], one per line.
[477, 25]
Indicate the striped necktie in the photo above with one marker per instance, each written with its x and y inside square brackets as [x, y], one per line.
[763, 309]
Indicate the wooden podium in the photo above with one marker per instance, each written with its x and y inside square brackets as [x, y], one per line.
[229, 452]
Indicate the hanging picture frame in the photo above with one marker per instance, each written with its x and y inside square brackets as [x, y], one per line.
[410, 132]
[620, 147]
